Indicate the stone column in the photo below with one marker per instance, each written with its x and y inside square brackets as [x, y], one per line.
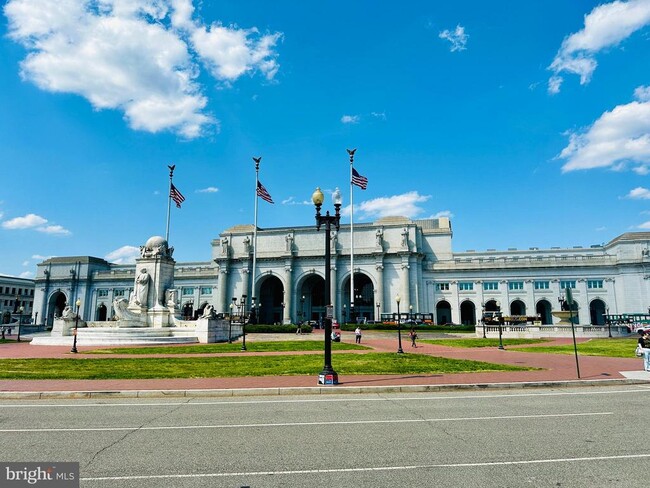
[245, 271]
[222, 300]
[379, 268]
[288, 292]
[406, 280]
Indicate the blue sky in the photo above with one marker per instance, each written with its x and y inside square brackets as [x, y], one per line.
[527, 123]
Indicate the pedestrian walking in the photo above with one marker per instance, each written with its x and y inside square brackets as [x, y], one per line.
[644, 345]
[413, 337]
[357, 335]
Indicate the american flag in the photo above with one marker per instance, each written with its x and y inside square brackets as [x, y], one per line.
[360, 181]
[261, 192]
[175, 195]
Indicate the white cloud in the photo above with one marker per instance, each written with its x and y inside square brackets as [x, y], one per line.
[293, 201]
[606, 25]
[27, 222]
[39, 257]
[639, 193]
[210, 189]
[26, 263]
[53, 229]
[618, 139]
[457, 38]
[125, 55]
[601, 229]
[229, 52]
[397, 205]
[26, 274]
[645, 225]
[350, 119]
[642, 93]
[123, 255]
[443, 213]
[379, 115]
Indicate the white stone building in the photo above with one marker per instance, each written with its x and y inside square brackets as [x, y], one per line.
[15, 293]
[395, 255]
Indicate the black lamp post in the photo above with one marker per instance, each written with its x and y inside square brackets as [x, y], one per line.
[282, 313]
[499, 317]
[344, 310]
[378, 313]
[302, 308]
[76, 328]
[399, 327]
[230, 325]
[609, 323]
[243, 322]
[328, 375]
[411, 314]
[20, 321]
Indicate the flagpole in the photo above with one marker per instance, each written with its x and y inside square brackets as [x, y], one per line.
[351, 153]
[169, 200]
[257, 182]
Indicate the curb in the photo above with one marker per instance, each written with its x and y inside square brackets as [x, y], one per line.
[287, 391]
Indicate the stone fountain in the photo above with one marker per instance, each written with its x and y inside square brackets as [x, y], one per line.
[151, 315]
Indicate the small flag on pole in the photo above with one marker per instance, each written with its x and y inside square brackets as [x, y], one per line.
[176, 196]
[360, 181]
[261, 192]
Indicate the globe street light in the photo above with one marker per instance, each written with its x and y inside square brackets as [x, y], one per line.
[399, 327]
[328, 375]
[76, 327]
[344, 310]
[20, 321]
[378, 314]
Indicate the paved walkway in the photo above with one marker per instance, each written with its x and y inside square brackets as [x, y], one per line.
[551, 368]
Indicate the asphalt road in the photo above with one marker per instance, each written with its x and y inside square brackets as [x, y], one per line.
[583, 437]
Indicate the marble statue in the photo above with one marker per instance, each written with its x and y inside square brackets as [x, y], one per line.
[141, 288]
[122, 312]
[156, 246]
[247, 245]
[289, 241]
[171, 298]
[379, 235]
[208, 312]
[405, 235]
[224, 246]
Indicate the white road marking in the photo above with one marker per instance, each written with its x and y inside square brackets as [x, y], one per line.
[369, 469]
[311, 424]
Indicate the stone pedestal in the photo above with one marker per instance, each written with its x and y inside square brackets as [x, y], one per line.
[564, 316]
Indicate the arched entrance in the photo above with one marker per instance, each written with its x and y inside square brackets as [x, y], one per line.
[543, 309]
[517, 307]
[467, 313]
[55, 306]
[362, 304]
[101, 312]
[313, 305]
[271, 301]
[443, 313]
[597, 310]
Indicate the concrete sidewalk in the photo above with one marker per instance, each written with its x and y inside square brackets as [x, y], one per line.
[552, 370]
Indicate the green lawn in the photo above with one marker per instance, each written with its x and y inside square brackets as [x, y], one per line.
[271, 346]
[219, 367]
[615, 348]
[478, 342]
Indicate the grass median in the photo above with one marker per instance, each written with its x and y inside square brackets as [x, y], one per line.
[238, 366]
[614, 348]
[224, 347]
[478, 342]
